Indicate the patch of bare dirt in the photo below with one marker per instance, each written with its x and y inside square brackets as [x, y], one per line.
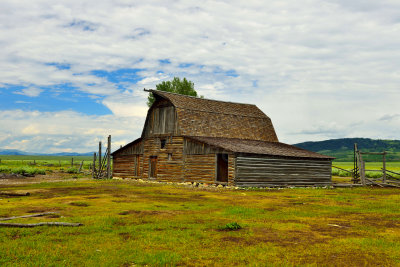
[11, 176]
[234, 239]
[142, 213]
[287, 238]
[334, 230]
[377, 221]
[349, 220]
[32, 210]
[119, 195]
[346, 257]
[125, 236]
[79, 204]
[51, 177]
[69, 191]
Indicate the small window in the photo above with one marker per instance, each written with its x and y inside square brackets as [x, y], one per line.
[163, 142]
[169, 156]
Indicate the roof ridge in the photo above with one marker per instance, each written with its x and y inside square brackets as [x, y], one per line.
[196, 97]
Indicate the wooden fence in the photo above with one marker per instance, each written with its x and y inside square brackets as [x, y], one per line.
[102, 163]
[359, 171]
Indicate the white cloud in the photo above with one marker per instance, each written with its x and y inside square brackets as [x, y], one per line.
[389, 117]
[31, 129]
[31, 92]
[59, 131]
[315, 67]
[126, 106]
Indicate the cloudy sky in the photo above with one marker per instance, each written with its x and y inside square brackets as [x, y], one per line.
[72, 72]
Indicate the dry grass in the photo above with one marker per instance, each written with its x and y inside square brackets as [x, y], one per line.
[131, 223]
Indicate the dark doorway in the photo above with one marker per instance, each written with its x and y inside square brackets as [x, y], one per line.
[137, 165]
[222, 167]
[153, 167]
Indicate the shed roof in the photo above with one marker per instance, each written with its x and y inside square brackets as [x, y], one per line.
[258, 147]
[212, 118]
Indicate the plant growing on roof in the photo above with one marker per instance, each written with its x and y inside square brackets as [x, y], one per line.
[178, 86]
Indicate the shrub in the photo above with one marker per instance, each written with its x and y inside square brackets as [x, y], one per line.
[28, 171]
[233, 226]
[4, 169]
[72, 170]
[336, 172]
[373, 174]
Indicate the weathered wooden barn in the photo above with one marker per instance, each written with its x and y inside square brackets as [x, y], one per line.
[189, 139]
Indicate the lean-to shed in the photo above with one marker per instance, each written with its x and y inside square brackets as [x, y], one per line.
[189, 139]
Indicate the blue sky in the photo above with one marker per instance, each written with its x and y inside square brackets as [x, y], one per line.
[72, 72]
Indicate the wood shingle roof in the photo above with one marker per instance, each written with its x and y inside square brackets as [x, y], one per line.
[258, 147]
[212, 118]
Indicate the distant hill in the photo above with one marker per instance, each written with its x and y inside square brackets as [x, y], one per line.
[342, 149]
[11, 152]
[19, 152]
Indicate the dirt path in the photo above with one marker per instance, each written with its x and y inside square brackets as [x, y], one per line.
[48, 178]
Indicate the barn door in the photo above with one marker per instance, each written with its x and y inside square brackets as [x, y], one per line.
[137, 165]
[153, 167]
[222, 167]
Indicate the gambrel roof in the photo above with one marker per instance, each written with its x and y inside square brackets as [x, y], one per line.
[212, 118]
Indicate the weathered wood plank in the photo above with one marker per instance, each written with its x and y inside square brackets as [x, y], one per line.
[264, 171]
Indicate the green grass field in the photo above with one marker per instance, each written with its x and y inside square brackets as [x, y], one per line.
[43, 164]
[392, 166]
[395, 166]
[137, 224]
[52, 161]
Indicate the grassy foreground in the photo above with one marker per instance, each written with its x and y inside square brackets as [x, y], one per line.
[130, 223]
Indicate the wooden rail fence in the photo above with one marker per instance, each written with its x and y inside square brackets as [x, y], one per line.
[359, 171]
[103, 168]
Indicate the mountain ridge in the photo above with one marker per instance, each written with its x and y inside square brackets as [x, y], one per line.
[16, 152]
[343, 148]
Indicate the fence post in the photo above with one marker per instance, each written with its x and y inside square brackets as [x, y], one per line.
[72, 162]
[384, 167]
[362, 169]
[94, 165]
[356, 165]
[80, 167]
[99, 174]
[109, 157]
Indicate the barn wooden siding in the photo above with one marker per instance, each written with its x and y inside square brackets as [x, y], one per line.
[200, 162]
[264, 171]
[200, 168]
[127, 166]
[127, 160]
[132, 149]
[169, 168]
[197, 148]
[160, 120]
[231, 169]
